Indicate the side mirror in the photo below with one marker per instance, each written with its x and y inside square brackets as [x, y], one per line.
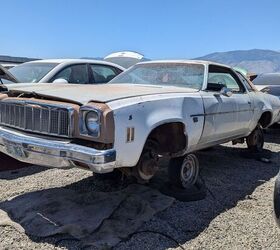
[226, 92]
[60, 80]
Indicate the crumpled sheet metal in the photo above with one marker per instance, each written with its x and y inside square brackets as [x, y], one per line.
[100, 219]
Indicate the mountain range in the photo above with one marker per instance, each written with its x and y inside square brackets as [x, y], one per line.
[254, 60]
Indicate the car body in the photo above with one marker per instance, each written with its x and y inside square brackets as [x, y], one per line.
[76, 71]
[269, 83]
[155, 108]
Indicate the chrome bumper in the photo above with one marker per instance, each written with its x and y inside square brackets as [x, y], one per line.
[54, 153]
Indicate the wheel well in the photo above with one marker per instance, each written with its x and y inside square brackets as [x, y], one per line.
[265, 119]
[170, 137]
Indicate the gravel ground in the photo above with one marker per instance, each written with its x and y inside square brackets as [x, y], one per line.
[237, 213]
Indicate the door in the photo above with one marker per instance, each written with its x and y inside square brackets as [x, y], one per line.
[246, 105]
[224, 115]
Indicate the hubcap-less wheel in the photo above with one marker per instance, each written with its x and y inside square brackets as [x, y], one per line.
[183, 171]
[147, 168]
[255, 140]
[148, 163]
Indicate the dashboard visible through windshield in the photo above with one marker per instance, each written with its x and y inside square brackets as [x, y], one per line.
[188, 75]
[31, 72]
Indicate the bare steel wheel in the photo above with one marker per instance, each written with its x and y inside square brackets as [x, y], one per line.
[255, 140]
[183, 171]
[148, 162]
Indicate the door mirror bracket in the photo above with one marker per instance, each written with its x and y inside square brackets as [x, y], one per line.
[226, 92]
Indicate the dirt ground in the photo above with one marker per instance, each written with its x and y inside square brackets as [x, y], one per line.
[236, 214]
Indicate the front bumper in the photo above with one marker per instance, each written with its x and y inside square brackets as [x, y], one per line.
[54, 153]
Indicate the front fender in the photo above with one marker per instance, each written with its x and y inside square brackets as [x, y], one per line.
[145, 116]
[272, 105]
[267, 103]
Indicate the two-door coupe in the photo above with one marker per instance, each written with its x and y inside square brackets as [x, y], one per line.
[155, 108]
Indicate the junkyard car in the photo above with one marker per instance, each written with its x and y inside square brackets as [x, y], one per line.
[156, 108]
[78, 71]
[269, 83]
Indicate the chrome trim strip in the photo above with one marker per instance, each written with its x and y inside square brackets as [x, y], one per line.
[222, 113]
[54, 153]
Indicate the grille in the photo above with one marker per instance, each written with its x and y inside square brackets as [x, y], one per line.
[40, 118]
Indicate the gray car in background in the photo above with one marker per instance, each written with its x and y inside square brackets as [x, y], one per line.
[269, 83]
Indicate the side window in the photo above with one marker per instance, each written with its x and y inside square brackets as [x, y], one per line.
[103, 73]
[245, 82]
[219, 77]
[77, 74]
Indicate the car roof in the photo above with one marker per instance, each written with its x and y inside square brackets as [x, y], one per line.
[185, 61]
[73, 61]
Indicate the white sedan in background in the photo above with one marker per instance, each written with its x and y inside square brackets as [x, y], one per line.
[77, 71]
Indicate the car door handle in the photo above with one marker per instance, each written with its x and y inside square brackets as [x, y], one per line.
[249, 103]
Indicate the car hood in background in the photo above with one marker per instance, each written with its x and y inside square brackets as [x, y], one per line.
[100, 93]
[125, 58]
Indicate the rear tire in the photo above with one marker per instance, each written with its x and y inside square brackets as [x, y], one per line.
[255, 140]
[183, 171]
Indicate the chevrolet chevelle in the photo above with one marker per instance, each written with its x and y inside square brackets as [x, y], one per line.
[154, 109]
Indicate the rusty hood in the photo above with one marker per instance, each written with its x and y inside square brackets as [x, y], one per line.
[99, 93]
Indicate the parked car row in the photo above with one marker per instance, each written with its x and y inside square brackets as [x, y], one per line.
[154, 108]
[112, 119]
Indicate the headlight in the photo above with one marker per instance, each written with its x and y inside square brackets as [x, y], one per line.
[92, 123]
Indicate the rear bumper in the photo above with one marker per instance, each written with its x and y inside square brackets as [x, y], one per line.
[54, 153]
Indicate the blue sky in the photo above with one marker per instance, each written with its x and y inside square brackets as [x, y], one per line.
[157, 28]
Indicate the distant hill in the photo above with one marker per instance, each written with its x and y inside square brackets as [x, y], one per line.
[255, 60]
[13, 59]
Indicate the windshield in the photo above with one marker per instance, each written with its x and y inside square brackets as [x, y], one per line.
[31, 72]
[165, 74]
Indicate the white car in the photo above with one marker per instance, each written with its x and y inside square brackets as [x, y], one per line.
[77, 71]
[156, 108]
